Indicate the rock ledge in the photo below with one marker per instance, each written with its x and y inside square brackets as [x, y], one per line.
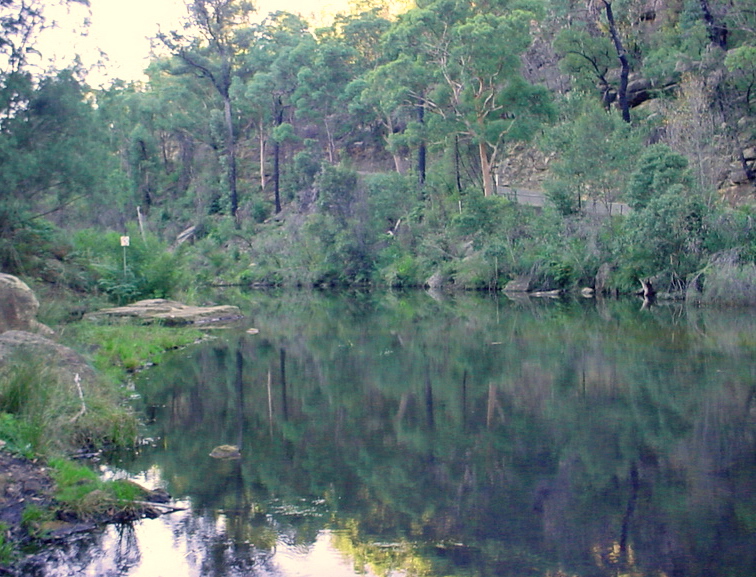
[169, 312]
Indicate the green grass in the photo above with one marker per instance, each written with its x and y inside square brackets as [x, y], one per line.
[7, 550]
[80, 492]
[34, 518]
[41, 412]
[118, 349]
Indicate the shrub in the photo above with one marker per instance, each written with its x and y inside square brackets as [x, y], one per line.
[144, 269]
[730, 281]
[658, 169]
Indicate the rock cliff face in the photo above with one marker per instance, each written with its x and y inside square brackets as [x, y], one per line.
[18, 307]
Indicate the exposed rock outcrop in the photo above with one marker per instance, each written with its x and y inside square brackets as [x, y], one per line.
[169, 312]
[18, 307]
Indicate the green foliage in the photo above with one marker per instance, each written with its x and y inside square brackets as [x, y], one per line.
[17, 435]
[337, 191]
[33, 519]
[306, 166]
[481, 217]
[27, 244]
[121, 348]
[595, 150]
[667, 234]
[390, 197]
[7, 551]
[438, 94]
[398, 268]
[587, 57]
[144, 269]
[658, 169]
[79, 491]
[741, 63]
[732, 229]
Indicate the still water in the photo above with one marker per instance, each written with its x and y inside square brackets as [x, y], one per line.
[413, 435]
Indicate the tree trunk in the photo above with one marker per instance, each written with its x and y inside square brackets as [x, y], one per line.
[457, 174]
[231, 152]
[624, 62]
[331, 144]
[399, 165]
[277, 162]
[421, 151]
[263, 178]
[717, 33]
[485, 169]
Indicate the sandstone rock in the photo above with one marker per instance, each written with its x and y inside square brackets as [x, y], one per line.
[18, 307]
[169, 312]
[519, 285]
[226, 452]
[436, 281]
[739, 176]
[63, 361]
[601, 283]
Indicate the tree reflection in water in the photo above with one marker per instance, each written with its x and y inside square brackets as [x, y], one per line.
[463, 437]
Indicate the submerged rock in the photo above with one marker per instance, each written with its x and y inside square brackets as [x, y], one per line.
[226, 452]
[169, 312]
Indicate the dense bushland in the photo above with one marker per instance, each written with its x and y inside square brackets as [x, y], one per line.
[369, 151]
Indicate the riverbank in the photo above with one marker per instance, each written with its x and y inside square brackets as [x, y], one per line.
[64, 395]
[46, 502]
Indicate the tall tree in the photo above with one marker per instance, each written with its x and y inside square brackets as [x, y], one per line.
[283, 47]
[221, 34]
[622, 56]
[477, 51]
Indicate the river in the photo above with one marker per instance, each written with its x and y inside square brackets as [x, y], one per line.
[409, 434]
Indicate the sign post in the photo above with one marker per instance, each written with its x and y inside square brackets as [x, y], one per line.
[124, 244]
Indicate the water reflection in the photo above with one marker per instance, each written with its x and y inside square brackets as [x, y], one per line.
[405, 435]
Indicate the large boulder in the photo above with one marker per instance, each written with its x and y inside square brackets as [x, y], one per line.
[521, 284]
[169, 312]
[18, 307]
[63, 361]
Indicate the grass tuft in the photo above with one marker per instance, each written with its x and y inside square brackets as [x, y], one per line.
[81, 493]
[41, 412]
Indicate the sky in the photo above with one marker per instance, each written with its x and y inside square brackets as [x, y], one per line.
[121, 29]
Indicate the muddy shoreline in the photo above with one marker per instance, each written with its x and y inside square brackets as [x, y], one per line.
[27, 482]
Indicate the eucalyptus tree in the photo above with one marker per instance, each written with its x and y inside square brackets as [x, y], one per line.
[392, 92]
[283, 47]
[387, 95]
[320, 93]
[20, 23]
[211, 47]
[162, 134]
[475, 51]
[596, 150]
[592, 44]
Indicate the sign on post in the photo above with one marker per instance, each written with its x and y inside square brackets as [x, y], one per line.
[124, 244]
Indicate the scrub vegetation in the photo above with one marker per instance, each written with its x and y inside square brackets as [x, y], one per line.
[381, 150]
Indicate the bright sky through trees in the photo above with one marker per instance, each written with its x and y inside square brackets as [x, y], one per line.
[121, 30]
